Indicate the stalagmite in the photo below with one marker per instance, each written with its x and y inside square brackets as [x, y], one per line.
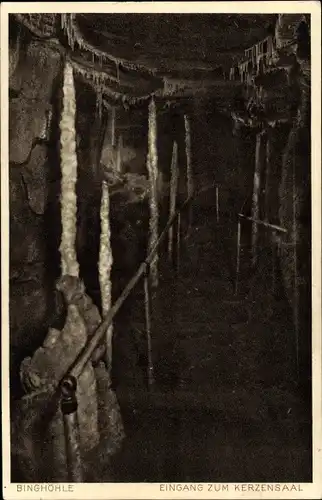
[173, 193]
[105, 266]
[69, 264]
[152, 167]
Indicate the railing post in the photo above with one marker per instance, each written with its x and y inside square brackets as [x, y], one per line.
[256, 193]
[119, 153]
[68, 407]
[238, 255]
[173, 196]
[170, 244]
[295, 265]
[217, 203]
[178, 242]
[147, 310]
[190, 181]
[273, 260]
[190, 218]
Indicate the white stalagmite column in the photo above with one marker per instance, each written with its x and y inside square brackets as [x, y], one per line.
[105, 267]
[152, 166]
[69, 264]
[173, 193]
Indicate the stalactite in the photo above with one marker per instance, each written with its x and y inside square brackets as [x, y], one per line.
[101, 80]
[173, 191]
[105, 266]
[63, 21]
[152, 167]
[69, 264]
[190, 183]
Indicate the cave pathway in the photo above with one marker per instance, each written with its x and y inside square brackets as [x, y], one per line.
[225, 406]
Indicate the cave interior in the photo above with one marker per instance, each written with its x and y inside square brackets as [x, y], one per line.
[118, 123]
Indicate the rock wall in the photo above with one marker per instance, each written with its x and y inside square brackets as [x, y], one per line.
[33, 176]
[275, 100]
[295, 216]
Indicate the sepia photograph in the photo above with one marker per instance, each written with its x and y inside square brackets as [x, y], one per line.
[159, 178]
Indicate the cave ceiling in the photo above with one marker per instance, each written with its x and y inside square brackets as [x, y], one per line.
[172, 43]
[130, 56]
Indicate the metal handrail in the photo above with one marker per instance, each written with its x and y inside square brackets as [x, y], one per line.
[263, 223]
[257, 222]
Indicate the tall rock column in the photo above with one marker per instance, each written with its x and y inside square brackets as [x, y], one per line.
[295, 213]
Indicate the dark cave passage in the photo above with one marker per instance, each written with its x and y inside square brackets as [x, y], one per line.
[226, 402]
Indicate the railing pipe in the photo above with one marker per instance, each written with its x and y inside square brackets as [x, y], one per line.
[274, 228]
[68, 407]
[273, 261]
[178, 250]
[173, 195]
[262, 223]
[238, 256]
[256, 191]
[217, 203]
[86, 354]
[147, 310]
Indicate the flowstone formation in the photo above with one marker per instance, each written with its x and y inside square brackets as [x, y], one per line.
[38, 439]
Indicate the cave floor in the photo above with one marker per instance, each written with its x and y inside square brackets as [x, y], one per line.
[225, 406]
